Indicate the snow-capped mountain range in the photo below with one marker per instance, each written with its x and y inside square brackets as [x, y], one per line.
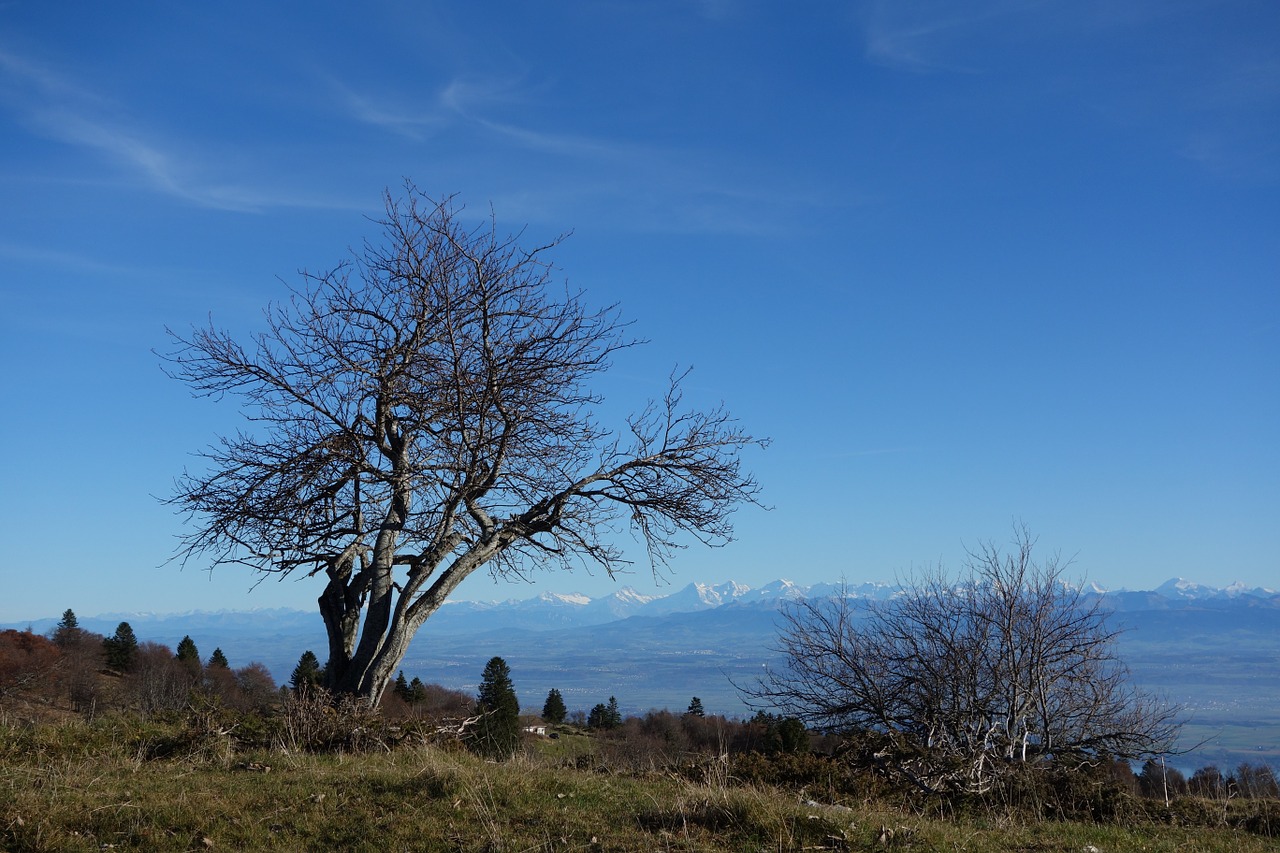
[559, 609]
[552, 610]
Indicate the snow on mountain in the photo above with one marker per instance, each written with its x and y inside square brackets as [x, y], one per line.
[695, 597]
[1238, 589]
[553, 610]
[617, 605]
[554, 599]
[778, 590]
[1182, 588]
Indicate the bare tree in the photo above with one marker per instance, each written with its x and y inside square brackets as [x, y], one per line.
[957, 682]
[424, 410]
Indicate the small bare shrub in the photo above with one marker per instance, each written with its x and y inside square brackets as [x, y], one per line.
[314, 720]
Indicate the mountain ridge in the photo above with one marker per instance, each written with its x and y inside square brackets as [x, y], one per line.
[554, 609]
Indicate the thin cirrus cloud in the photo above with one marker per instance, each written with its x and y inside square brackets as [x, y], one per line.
[51, 106]
[1221, 114]
[469, 98]
[915, 36]
[409, 123]
[647, 188]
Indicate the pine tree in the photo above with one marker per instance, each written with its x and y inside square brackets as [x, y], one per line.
[120, 648]
[417, 690]
[793, 738]
[187, 650]
[219, 659]
[695, 708]
[497, 734]
[553, 710]
[188, 657]
[307, 674]
[67, 632]
[604, 716]
[402, 688]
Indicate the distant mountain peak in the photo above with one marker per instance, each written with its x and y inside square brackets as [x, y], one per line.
[1182, 588]
[574, 599]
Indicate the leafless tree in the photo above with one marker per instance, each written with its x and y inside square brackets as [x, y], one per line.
[955, 683]
[157, 682]
[424, 410]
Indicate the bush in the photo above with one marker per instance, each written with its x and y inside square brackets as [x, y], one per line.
[315, 721]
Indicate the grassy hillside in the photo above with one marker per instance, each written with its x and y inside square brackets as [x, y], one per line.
[125, 784]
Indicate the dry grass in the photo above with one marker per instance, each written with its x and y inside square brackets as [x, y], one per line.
[124, 784]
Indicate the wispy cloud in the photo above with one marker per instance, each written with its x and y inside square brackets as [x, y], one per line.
[472, 99]
[628, 184]
[63, 260]
[56, 107]
[407, 122]
[914, 35]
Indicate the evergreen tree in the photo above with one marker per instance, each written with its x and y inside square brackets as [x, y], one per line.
[782, 734]
[219, 659]
[604, 716]
[121, 648]
[402, 688]
[792, 736]
[67, 632]
[417, 690]
[188, 657]
[307, 673]
[187, 650]
[497, 734]
[695, 708]
[553, 710]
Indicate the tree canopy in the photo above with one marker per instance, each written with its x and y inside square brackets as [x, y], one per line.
[187, 650]
[554, 710]
[307, 673]
[121, 648]
[605, 716]
[428, 408]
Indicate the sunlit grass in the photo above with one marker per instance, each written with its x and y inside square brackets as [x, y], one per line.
[92, 787]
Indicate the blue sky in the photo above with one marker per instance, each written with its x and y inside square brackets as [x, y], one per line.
[964, 263]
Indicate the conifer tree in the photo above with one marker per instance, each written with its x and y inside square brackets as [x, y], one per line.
[604, 716]
[497, 734]
[121, 648]
[187, 650]
[402, 688]
[67, 632]
[554, 710]
[219, 659]
[307, 673]
[695, 708]
[188, 657]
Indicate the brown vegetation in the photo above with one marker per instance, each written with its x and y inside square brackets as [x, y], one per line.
[253, 765]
